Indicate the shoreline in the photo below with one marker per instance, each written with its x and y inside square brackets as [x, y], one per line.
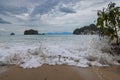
[61, 72]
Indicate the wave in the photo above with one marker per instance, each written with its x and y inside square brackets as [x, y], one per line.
[84, 52]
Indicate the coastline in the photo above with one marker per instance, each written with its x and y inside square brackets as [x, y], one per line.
[61, 72]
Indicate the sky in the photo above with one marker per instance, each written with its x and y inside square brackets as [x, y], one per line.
[48, 15]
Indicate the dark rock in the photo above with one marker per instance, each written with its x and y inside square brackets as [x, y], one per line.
[91, 29]
[31, 32]
[118, 61]
[115, 49]
[77, 31]
[12, 33]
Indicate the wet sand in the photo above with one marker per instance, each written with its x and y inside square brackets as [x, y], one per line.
[61, 72]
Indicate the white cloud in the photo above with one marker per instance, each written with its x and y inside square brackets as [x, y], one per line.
[24, 16]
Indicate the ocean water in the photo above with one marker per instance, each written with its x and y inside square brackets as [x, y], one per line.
[32, 51]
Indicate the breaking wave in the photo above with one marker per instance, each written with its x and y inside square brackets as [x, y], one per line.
[82, 51]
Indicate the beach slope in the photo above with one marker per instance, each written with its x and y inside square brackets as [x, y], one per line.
[61, 72]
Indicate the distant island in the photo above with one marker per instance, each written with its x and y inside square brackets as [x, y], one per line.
[58, 33]
[91, 29]
[31, 32]
[35, 32]
[12, 33]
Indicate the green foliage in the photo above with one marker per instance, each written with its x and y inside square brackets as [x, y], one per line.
[109, 21]
[31, 32]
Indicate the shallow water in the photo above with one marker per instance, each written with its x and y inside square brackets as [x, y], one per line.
[3, 69]
[35, 50]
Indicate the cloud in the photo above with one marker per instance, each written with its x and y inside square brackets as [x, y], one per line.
[67, 10]
[47, 6]
[51, 15]
[80, 14]
[12, 10]
[4, 22]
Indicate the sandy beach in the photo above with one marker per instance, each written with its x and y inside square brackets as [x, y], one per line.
[61, 72]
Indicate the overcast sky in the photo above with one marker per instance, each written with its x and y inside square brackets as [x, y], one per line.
[48, 15]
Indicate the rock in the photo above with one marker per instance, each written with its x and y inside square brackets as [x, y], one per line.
[12, 33]
[118, 61]
[115, 49]
[31, 32]
[91, 29]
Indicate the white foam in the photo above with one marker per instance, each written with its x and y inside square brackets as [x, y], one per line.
[85, 52]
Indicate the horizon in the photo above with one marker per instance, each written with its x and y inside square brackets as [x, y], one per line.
[45, 33]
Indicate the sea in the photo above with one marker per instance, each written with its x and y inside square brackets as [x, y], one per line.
[32, 51]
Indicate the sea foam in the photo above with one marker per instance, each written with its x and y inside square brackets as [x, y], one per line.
[82, 51]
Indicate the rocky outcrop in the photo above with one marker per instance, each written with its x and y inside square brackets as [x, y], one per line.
[115, 49]
[12, 33]
[31, 32]
[91, 29]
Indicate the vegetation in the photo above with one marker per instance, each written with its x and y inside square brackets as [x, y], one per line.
[91, 29]
[109, 21]
[31, 32]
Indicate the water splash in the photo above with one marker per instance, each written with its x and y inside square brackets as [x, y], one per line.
[82, 51]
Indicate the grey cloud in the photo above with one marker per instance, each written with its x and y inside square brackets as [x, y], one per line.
[67, 10]
[50, 4]
[99, 3]
[13, 10]
[46, 7]
[4, 22]
[23, 6]
[43, 6]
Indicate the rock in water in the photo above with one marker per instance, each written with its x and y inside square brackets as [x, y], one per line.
[12, 33]
[31, 32]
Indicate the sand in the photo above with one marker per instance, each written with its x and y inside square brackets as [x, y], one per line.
[61, 72]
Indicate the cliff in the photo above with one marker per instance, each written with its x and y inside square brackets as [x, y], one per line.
[91, 29]
[31, 32]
